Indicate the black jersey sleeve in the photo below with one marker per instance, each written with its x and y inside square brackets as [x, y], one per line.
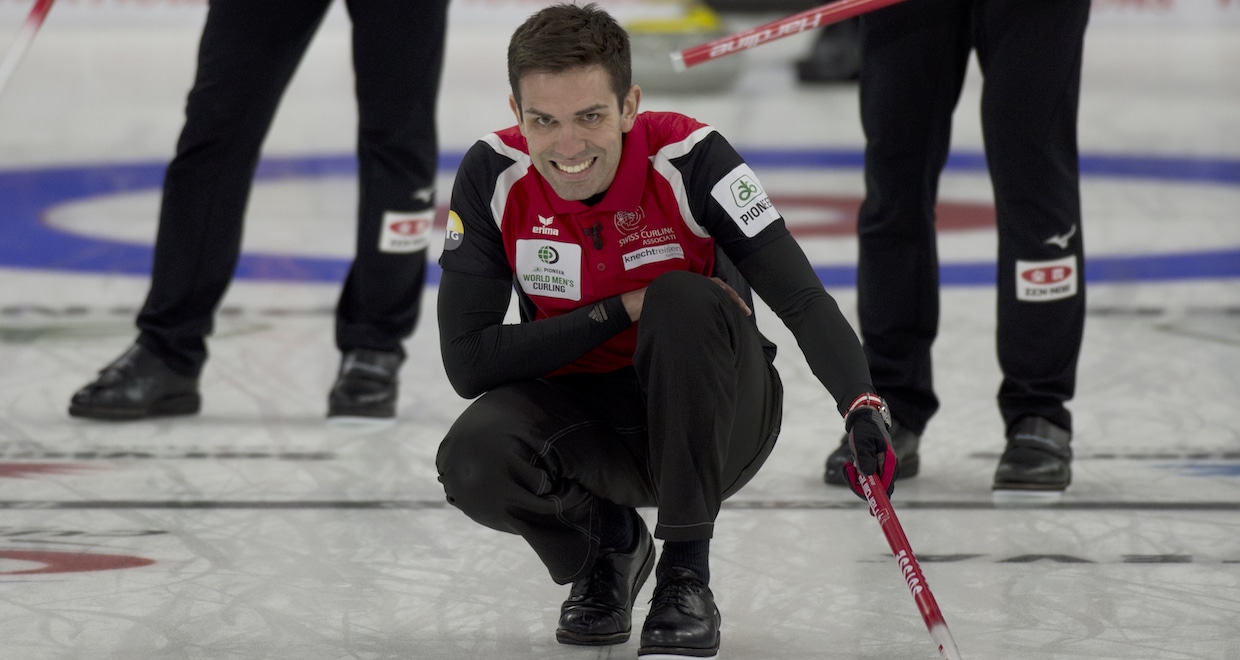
[472, 242]
[773, 264]
[481, 351]
[707, 171]
[781, 275]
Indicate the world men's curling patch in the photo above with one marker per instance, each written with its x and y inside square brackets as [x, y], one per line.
[551, 269]
[740, 194]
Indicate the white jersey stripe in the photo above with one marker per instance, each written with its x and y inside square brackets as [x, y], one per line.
[662, 163]
[509, 178]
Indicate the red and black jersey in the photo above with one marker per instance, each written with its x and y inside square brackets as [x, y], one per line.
[682, 199]
[680, 192]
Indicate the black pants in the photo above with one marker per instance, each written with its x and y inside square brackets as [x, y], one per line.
[686, 427]
[914, 62]
[248, 53]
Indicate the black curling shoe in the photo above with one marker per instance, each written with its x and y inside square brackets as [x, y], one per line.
[1038, 457]
[136, 385]
[904, 441]
[683, 621]
[599, 609]
[366, 385]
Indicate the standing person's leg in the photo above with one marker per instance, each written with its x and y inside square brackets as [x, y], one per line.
[247, 54]
[715, 406]
[246, 58]
[1029, 119]
[913, 64]
[398, 57]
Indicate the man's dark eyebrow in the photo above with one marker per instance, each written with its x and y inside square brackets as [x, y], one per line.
[584, 111]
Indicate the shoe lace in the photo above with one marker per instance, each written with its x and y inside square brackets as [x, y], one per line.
[597, 582]
[674, 592]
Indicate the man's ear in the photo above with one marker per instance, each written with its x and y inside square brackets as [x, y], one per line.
[516, 111]
[629, 107]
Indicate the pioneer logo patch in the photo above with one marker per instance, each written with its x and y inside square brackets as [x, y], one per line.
[743, 198]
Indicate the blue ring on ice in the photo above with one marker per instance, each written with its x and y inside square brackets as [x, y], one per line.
[27, 194]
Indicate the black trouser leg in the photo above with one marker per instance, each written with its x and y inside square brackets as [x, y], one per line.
[714, 402]
[248, 53]
[1030, 54]
[398, 57]
[913, 64]
[531, 458]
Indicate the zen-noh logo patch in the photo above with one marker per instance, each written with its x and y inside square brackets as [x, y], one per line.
[743, 198]
[405, 231]
[1044, 281]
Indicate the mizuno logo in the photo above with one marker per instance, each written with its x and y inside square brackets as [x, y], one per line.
[425, 194]
[1061, 240]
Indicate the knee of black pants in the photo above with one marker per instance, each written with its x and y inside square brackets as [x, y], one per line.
[481, 468]
[678, 300]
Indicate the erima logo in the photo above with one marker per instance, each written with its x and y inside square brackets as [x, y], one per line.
[543, 226]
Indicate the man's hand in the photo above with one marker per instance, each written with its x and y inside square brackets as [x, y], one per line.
[736, 297]
[635, 300]
[870, 441]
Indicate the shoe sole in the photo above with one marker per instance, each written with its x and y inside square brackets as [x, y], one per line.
[345, 412]
[1007, 496]
[169, 407]
[568, 637]
[677, 654]
[906, 469]
[359, 422]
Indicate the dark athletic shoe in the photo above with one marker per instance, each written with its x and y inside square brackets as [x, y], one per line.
[683, 621]
[136, 385]
[599, 609]
[1038, 457]
[904, 441]
[366, 385]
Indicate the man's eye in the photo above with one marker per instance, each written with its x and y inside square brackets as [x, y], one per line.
[544, 121]
[590, 117]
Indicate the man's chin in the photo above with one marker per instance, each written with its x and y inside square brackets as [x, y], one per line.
[573, 190]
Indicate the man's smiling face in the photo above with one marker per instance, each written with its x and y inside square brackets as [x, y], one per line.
[574, 125]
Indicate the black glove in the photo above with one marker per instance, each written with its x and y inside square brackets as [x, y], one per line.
[870, 441]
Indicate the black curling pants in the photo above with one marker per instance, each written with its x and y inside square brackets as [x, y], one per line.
[247, 55]
[686, 427]
[914, 62]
